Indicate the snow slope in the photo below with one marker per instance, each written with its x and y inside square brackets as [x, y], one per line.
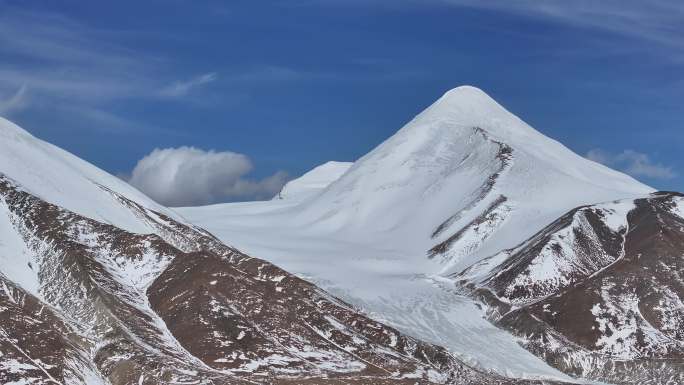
[462, 181]
[61, 178]
[313, 181]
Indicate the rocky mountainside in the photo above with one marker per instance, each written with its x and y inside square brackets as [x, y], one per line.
[597, 293]
[462, 181]
[97, 287]
[466, 249]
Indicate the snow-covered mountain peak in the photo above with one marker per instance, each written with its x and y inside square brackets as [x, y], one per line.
[462, 162]
[465, 107]
[466, 101]
[463, 181]
[313, 181]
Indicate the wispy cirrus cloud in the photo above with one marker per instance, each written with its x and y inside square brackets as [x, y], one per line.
[14, 102]
[57, 64]
[77, 72]
[633, 163]
[182, 88]
[54, 62]
[55, 54]
[657, 22]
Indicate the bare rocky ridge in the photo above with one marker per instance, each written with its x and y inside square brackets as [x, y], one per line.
[179, 306]
[598, 293]
[37, 346]
[494, 213]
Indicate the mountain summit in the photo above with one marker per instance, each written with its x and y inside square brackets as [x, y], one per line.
[463, 179]
[468, 248]
[468, 106]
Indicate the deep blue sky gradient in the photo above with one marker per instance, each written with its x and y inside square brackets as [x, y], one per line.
[298, 83]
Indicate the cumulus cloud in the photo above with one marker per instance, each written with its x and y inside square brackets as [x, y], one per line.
[188, 176]
[632, 162]
[182, 88]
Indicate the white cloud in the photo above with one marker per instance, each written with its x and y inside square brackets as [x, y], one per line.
[79, 72]
[14, 102]
[60, 58]
[182, 88]
[66, 68]
[187, 176]
[632, 162]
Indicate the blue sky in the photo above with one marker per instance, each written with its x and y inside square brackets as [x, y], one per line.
[283, 86]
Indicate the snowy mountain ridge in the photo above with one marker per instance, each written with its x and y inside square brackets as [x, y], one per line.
[460, 157]
[466, 248]
[313, 181]
[65, 180]
[462, 181]
[99, 285]
[598, 292]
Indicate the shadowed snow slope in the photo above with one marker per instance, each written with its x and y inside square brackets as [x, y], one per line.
[63, 179]
[460, 182]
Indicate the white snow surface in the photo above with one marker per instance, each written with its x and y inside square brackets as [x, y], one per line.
[313, 181]
[63, 179]
[365, 236]
[435, 167]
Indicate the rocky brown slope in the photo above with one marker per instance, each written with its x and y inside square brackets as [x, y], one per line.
[178, 306]
[598, 293]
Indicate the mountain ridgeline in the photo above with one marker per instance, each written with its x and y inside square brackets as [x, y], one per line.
[468, 248]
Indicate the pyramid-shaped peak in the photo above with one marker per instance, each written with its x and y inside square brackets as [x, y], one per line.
[468, 100]
[467, 95]
[465, 90]
[466, 107]
[314, 180]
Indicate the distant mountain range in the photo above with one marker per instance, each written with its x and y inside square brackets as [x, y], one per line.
[468, 248]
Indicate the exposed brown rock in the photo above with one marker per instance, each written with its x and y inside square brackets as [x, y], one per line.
[617, 314]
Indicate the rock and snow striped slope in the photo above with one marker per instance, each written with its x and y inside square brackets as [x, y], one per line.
[597, 293]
